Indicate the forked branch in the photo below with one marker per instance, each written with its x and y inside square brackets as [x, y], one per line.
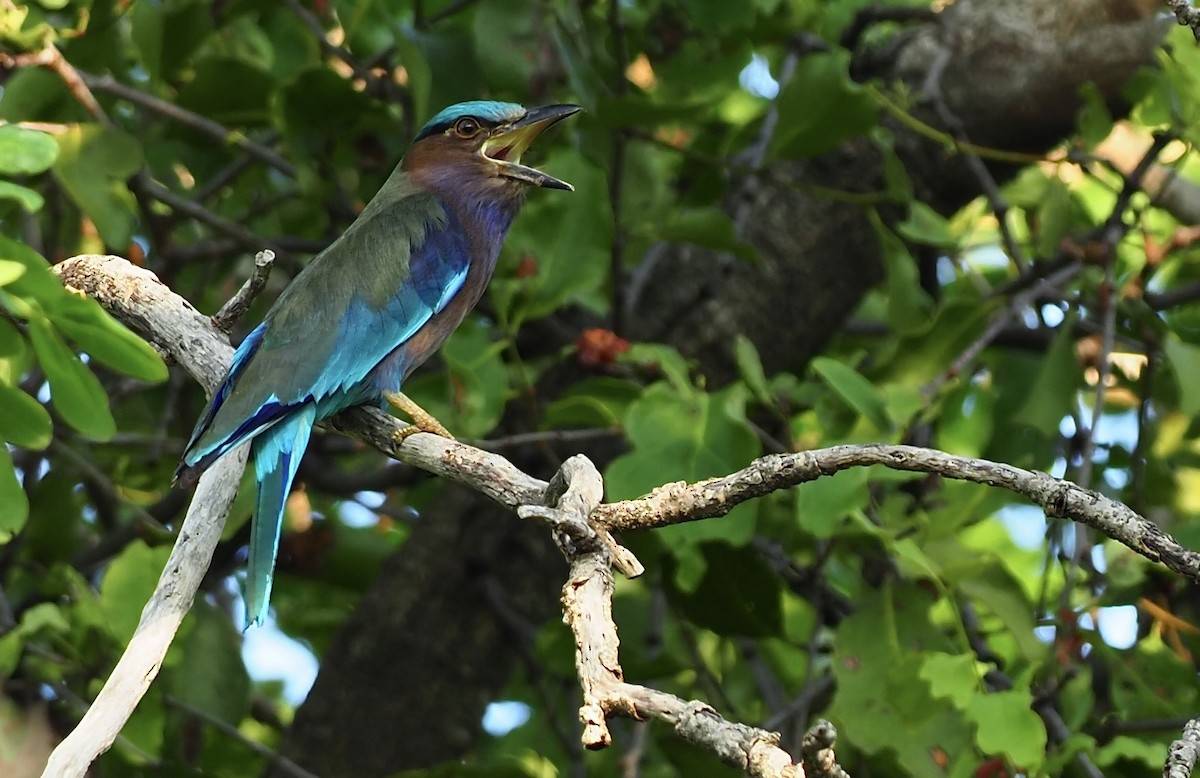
[570, 503]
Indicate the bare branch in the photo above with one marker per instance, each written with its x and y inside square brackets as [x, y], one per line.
[587, 610]
[177, 586]
[680, 502]
[225, 728]
[1186, 15]
[237, 306]
[571, 503]
[1015, 307]
[1182, 758]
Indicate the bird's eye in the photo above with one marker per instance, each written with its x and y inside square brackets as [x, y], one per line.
[466, 127]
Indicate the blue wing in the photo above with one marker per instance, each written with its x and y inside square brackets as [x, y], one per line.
[398, 265]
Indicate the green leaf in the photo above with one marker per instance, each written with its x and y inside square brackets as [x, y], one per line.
[167, 34]
[927, 351]
[14, 505]
[28, 199]
[1095, 120]
[992, 586]
[951, 676]
[146, 32]
[1053, 391]
[25, 152]
[212, 676]
[1134, 749]
[93, 164]
[709, 227]
[33, 92]
[594, 402]
[908, 305]
[1185, 361]
[686, 437]
[737, 595]
[420, 76]
[235, 92]
[820, 106]
[23, 420]
[76, 393]
[15, 355]
[127, 585]
[967, 421]
[720, 14]
[751, 369]
[666, 360]
[107, 340]
[503, 33]
[43, 618]
[316, 102]
[855, 390]
[1006, 726]
[822, 504]
[1056, 212]
[568, 237]
[37, 282]
[10, 270]
[883, 703]
[143, 734]
[925, 225]
[470, 397]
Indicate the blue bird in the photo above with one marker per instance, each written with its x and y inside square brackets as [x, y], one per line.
[366, 311]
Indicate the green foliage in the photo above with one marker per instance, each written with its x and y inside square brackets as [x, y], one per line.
[92, 165]
[866, 595]
[821, 107]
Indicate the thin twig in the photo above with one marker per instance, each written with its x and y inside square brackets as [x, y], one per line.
[243, 236]
[313, 23]
[932, 89]
[452, 9]
[202, 124]
[237, 306]
[1016, 305]
[51, 58]
[225, 728]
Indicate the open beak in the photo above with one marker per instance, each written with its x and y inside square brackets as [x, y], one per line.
[507, 144]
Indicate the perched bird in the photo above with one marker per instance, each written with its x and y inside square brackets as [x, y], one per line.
[372, 306]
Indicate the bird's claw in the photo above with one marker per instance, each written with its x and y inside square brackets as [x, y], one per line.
[423, 420]
[430, 425]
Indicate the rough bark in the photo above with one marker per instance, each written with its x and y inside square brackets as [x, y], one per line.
[1010, 70]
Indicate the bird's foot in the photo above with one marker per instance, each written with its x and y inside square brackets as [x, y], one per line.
[423, 420]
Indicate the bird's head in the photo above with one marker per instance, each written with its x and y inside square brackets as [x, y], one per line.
[487, 138]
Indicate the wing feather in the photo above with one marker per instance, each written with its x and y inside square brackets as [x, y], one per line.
[400, 263]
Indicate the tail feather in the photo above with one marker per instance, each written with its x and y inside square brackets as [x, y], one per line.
[277, 454]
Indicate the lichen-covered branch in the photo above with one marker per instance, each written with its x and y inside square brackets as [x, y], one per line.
[1186, 15]
[679, 502]
[1181, 760]
[571, 505]
[587, 610]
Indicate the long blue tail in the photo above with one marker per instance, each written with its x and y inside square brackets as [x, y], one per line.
[277, 454]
